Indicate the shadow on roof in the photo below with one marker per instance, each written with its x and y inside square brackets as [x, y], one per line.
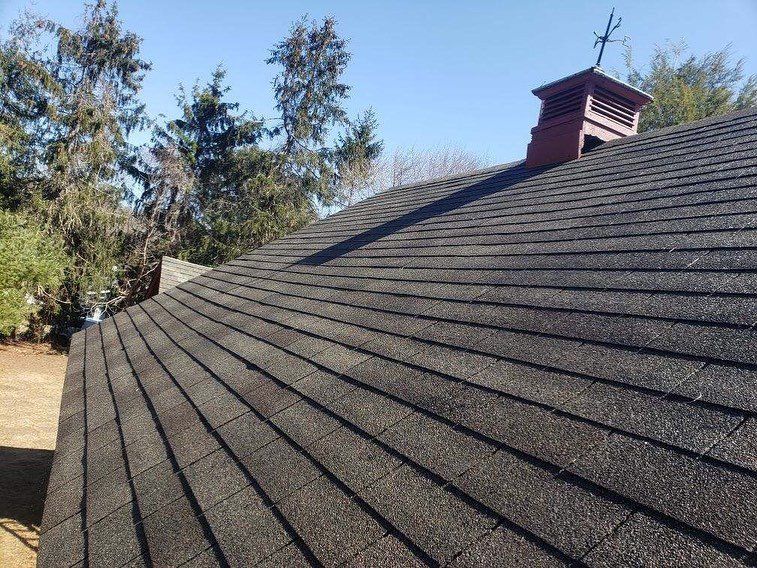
[497, 182]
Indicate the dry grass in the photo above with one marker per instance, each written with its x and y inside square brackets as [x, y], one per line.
[31, 380]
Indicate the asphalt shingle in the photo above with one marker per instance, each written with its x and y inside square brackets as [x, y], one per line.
[247, 530]
[434, 519]
[332, 524]
[700, 494]
[175, 534]
[643, 541]
[511, 366]
[565, 516]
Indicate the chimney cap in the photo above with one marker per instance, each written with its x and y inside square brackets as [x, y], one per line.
[544, 90]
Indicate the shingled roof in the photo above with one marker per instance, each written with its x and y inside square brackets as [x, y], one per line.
[171, 272]
[513, 367]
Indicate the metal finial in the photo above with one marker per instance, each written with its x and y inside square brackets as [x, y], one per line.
[604, 39]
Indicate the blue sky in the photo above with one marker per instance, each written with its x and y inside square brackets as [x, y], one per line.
[436, 72]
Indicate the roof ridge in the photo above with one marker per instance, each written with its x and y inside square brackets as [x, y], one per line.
[612, 143]
[459, 176]
[183, 262]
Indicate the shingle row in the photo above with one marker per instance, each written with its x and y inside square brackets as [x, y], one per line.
[543, 368]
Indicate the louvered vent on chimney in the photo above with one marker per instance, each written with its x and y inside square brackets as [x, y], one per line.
[580, 112]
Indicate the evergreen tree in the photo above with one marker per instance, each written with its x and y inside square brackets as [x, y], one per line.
[215, 189]
[212, 191]
[356, 159]
[32, 265]
[687, 88]
[98, 73]
[26, 86]
[191, 158]
[215, 181]
[309, 94]
[67, 105]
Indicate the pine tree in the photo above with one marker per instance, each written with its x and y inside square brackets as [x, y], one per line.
[356, 159]
[213, 192]
[99, 73]
[32, 265]
[309, 94]
[26, 88]
[687, 88]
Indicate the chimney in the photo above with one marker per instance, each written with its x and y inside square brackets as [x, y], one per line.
[581, 111]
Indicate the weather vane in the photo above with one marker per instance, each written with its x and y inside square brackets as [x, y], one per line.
[604, 39]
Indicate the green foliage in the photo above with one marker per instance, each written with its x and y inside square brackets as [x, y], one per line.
[309, 94]
[31, 262]
[211, 191]
[356, 158]
[308, 90]
[99, 74]
[687, 88]
[215, 181]
[359, 144]
[207, 136]
[256, 208]
[26, 86]
[68, 103]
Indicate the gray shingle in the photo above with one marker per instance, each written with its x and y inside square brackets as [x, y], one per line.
[280, 469]
[436, 446]
[566, 516]
[690, 490]
[247, 530]
[437, 522]
[323, 387]
[531, 383]
[643, 541]
[63, 545]
[246, 434]
[174, 534]
[65, 502]
[369, 411]
[108, 494]
[105, 459]
[157, 487]
[214, 478]
[689, 426]
[288, 557]
[191, 444]
[270, 398]
[304, 423]
[222, 409]
[491, 550]
[529, 367]
[721, 384]
[208, 558]
[356, 461]
[740, 447]
[113, 541]
[385, 553]
[333, 525]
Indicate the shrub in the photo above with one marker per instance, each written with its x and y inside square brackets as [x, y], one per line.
[31, 261]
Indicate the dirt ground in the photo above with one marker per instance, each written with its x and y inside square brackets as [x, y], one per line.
[31, 380]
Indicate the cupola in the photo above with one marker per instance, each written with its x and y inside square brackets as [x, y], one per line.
[581, 111]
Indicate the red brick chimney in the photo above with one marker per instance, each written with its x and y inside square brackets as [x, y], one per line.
[581, 111]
